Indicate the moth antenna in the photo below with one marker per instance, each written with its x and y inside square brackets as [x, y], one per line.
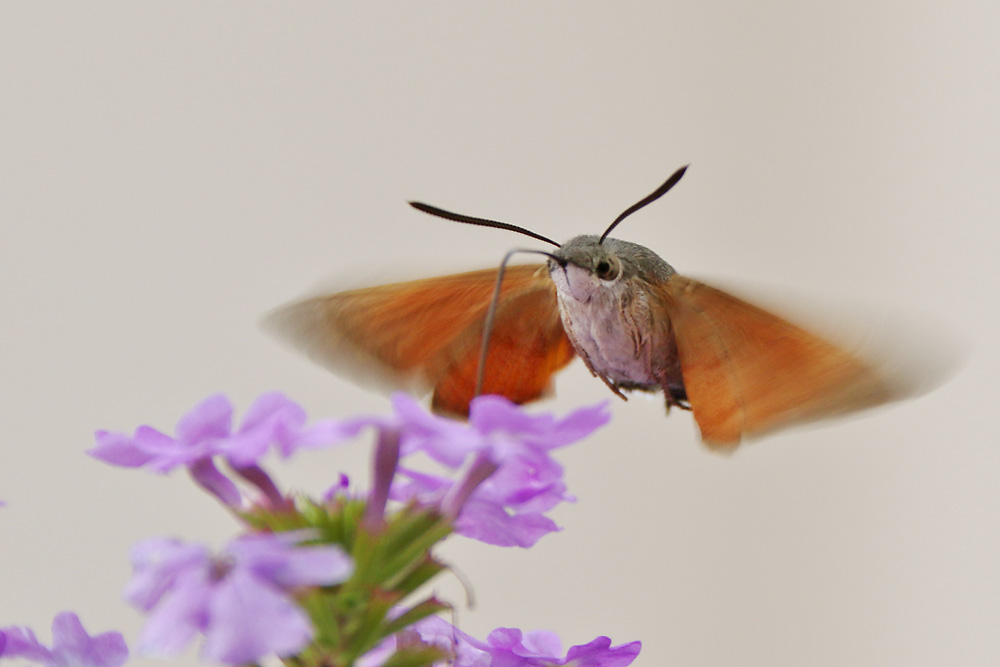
[482, 222]
[492, 311]
[649, 199]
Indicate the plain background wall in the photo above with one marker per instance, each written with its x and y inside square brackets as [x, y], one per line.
[171, 171]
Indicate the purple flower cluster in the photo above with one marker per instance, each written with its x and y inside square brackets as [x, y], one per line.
[505, 647]
[241, 600]
[510, 479]
[272, 421]
[244, 600]
[71, 645]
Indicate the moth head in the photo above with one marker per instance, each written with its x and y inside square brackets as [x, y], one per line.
[586, 264]
[589, 254]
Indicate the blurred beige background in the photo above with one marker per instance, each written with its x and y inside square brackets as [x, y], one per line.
[171, 171]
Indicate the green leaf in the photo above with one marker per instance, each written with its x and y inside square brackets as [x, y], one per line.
[422, 572]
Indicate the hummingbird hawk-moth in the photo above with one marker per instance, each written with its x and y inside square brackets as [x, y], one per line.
[635, 323]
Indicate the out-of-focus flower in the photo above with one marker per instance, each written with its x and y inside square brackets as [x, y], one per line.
[486, 515]
[206, 432]
[71, 645]
[504, 647]
[241, 600]
[496, 426]
[273, 419]
[512, 480]
[508, 646]
[509, 426]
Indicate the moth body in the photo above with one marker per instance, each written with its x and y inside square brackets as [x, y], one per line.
[604, 302]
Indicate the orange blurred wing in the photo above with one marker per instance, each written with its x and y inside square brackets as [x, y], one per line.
[426, 334]
[527, 346]
[747, 371]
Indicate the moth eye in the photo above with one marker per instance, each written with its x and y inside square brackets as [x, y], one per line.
[606, 270]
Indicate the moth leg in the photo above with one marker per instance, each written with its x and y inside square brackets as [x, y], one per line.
[611, 385]
[676, 395]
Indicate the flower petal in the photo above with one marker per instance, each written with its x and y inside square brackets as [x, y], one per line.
[168, 453]
[600, 653]
[509, 647]
[447, 441]
[22, 643]
[248, 620]
[277, 559]
[269, 407]
[495, 413]
[490, 523]
[542, 642]
[179, 616]
[211, 418]
[119, 449]
[579, 424]
[71, 645]
[156, 564]
[210, 478]
[322, 433]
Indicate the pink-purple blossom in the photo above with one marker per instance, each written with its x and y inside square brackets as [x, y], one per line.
[71, 645]
[496, 427]
[505, 647]
[487, 514]
[511, 479]
[509, 646]
[508, 478]
[241, 600]
[272, 422]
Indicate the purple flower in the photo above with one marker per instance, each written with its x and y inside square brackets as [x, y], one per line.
[71, 645]
[488, 514]
[509, 647]
[508, 425]
[505, 647]
[206, 431]
[240, 600]
[512, 480]
[496, 427]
